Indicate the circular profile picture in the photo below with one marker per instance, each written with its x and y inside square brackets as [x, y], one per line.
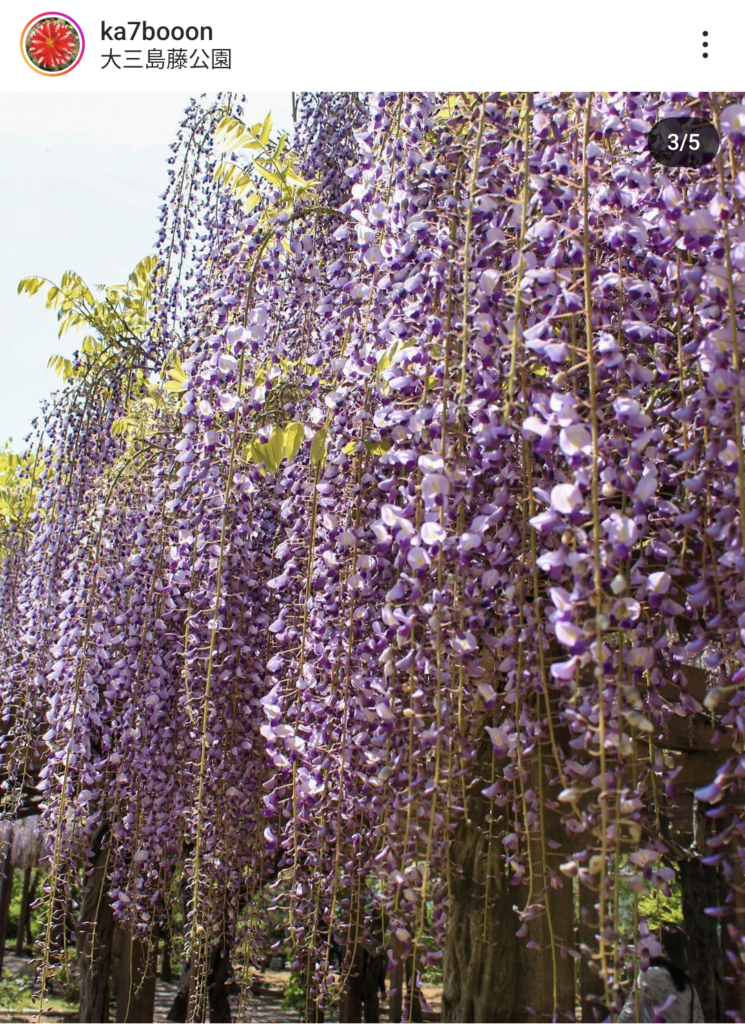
[52, 43]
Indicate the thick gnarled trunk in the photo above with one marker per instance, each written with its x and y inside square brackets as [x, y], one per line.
[545, 977]
[95, 939]
[135, 997]
[360, 1000]
[489, 974]
[214, 995]
[481, 951]
[217, 985]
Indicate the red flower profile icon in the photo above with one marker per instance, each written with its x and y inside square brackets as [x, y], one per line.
[52, 44]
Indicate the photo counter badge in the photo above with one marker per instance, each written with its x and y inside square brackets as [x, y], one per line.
[52, 44]
[684, 141]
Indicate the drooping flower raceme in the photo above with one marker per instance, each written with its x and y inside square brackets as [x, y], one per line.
[449, 511]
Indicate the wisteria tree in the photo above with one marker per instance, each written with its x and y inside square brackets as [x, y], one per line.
[388, 523]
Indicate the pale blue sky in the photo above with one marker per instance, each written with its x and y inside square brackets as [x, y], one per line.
[80, 181]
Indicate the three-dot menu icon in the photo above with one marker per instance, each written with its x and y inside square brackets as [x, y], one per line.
[706, 45]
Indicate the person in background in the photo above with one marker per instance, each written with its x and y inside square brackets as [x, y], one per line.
[664, 992]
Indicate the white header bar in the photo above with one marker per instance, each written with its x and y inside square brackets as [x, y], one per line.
[389, 44]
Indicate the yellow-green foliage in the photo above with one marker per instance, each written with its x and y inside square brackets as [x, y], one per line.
[118, 316]
[656, 907]
[17, 494]
[272, 161]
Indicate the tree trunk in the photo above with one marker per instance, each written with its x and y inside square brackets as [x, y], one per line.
[734, 982]
[95, 937]
[315, 1013]
[135, 996]
[412, 1002]
[481, 954]
[699, 887]
[6, 891]
[23, 913]
[591, 986]
[166, 971]
[360, 999]
[545, 977]
[372, 962]
[217, 991]
[180, 1004]
[350, 1004]
[396, 990]
[217, 979]
[31, 898]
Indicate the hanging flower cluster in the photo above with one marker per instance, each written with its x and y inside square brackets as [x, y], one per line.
[442, 502]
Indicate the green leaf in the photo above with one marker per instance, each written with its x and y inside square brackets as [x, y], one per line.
[294, 436]
[387, 358]
[31, 285]
[378, 447]
[178, 380]
[268, 455]
[120, 427]
[294, 179]
[252, 452]
[232, 130]
[274, 450]
[273, 179]
[318, 447]
[142, 273]
[61, 366]
[176, 370]
[266, 129]
[233, 178]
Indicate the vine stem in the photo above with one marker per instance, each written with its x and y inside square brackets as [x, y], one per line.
[736, 363]
[439, 638]
[73, 721]
[467, 249]
[598, 585]
[195, 928]
[521, 257]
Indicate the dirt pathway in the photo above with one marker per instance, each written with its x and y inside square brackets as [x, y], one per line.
[266, 1007]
